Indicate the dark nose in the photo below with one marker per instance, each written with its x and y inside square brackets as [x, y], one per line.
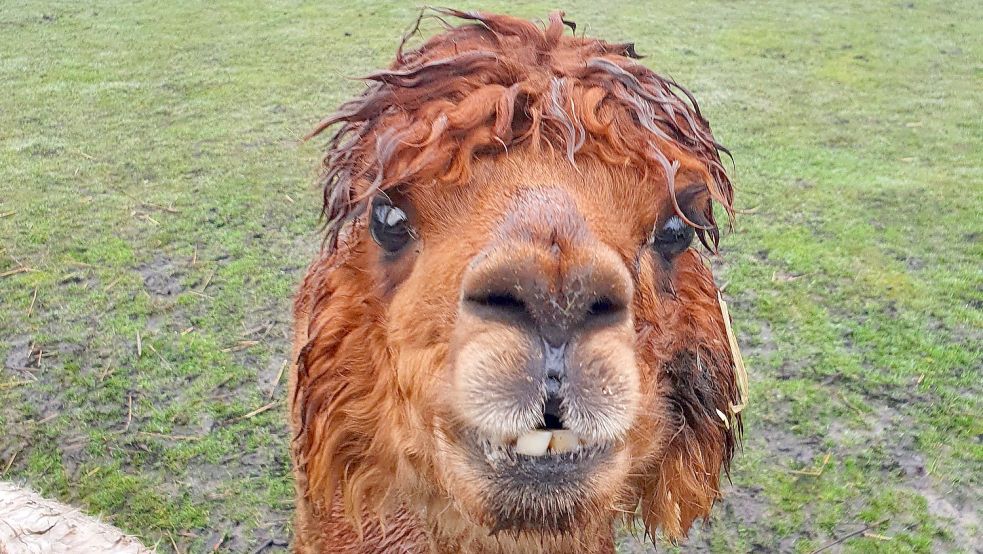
[553, 294]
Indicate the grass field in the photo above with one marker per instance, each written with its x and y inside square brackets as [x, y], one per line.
[157, 209]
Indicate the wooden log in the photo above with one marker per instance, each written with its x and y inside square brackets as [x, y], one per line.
[31, 524]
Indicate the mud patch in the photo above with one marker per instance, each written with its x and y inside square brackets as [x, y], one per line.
[963, 520]
[19, 356]
[272, 377]
[785, 448]
[957, 509]
[271, 530]
[161, 277]
[740, 509]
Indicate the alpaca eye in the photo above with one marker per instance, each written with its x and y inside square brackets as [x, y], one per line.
[672, 238]
[389, 226]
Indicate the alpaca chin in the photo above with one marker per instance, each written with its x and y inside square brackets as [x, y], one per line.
[549, 494]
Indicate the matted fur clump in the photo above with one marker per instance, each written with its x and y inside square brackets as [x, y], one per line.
[509, 210]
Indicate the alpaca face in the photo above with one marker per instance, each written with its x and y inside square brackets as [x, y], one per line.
[508, 328]
[533, 314]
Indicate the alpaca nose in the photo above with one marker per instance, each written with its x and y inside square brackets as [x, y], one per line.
[551, 296]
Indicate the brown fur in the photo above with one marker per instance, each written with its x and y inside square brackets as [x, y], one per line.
[484, 123]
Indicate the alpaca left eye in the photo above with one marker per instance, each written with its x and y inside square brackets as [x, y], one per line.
[389, 226]
[672, 238]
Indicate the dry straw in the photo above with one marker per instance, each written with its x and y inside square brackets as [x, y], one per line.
[740, 372]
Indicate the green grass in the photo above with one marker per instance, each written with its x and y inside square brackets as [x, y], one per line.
[149, 157]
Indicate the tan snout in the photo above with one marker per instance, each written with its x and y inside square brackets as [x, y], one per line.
[544, 339]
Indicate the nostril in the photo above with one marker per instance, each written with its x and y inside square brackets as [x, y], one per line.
[499, 301]
[503, 301]
[604, 306]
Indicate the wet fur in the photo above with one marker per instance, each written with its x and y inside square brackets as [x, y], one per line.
[369, 434]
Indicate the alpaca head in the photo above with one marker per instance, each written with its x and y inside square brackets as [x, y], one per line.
[511, 321]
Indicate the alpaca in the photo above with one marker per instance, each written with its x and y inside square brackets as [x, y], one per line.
[508, 341]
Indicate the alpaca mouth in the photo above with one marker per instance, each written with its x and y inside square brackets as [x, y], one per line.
[547, 441]
[547, 480]
[544, 482]
[549, 459]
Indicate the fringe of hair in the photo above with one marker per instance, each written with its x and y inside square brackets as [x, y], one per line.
[496, 83]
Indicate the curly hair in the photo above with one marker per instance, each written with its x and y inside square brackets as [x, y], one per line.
[480, 89]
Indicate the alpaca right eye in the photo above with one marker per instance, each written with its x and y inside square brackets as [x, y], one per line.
[390, 226]
[674, 237]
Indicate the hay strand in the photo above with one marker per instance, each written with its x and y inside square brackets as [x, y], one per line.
[740, 371]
